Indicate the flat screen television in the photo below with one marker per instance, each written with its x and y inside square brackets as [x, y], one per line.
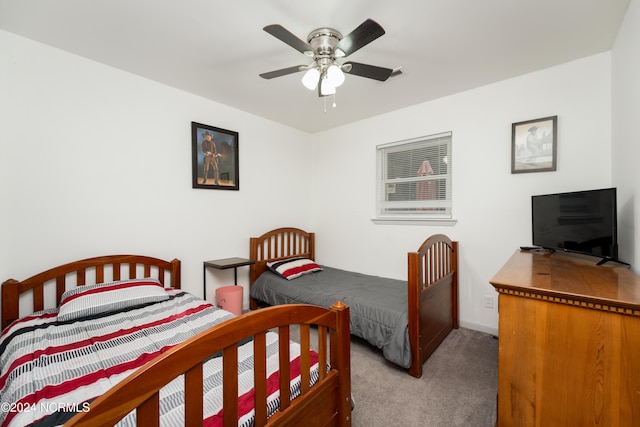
[579, 221]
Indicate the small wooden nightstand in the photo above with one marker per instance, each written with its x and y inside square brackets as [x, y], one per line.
[222, 264]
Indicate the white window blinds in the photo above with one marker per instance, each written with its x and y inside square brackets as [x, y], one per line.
[414, 177]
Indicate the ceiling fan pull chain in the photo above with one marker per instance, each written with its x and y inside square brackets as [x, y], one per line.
[334, 100]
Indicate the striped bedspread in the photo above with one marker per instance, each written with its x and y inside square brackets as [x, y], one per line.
[53, 369]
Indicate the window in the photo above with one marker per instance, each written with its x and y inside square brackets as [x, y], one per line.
[414, 178]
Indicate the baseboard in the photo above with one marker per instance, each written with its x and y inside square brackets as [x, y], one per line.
[480, 328]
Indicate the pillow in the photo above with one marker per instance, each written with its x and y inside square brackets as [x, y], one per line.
[90, 300]
[293, 267]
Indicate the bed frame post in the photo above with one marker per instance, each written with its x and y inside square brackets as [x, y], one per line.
[454, 286]
[312, 246]
[341, 359]
[175, 273]
[10, 302]
[253, 269]
[413, 312]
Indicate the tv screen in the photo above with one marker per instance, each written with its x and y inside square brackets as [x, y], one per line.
[580, 221]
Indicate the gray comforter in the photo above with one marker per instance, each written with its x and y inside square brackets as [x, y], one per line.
[377, 305]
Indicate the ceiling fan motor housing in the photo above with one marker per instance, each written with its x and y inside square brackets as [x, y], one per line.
[323, 41]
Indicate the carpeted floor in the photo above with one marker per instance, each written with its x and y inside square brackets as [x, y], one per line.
[458, 386]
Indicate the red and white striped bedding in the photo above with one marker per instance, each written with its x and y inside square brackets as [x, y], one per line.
[51, 369]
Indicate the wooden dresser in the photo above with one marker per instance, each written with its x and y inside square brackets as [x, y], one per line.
[569, 342]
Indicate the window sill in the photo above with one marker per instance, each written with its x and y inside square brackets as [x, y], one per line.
[449, 222]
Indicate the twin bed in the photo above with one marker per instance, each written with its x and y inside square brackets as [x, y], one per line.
[123, 336]
[406, 319]
[123, 344]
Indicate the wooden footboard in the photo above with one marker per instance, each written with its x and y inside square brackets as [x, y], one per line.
[83, 272]
[275, 245]
[433, 297]
[327, 403]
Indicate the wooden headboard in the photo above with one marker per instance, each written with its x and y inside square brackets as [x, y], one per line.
[278, 244]
[98, 269]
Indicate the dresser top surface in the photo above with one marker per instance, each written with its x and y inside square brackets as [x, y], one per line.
[561, 274]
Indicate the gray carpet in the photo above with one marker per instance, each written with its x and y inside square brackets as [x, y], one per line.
[457, 388]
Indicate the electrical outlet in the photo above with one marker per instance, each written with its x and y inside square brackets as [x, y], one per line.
[488, 301]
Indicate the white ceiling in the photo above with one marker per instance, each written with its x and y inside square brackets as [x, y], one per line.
[217, 48]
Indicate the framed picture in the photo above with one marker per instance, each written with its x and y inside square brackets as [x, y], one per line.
[534, 145]
[214, 154]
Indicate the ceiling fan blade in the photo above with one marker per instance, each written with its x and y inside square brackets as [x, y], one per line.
[368, 71]
[366, 32]
[283, 71]
[281, 33]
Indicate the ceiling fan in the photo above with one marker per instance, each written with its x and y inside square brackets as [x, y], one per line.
[325, 46]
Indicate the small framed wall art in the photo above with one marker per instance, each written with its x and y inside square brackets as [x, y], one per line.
[534, 145]
[214, 154]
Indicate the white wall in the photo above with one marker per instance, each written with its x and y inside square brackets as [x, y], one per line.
[626, 144]
[96, 161]
[492, 206]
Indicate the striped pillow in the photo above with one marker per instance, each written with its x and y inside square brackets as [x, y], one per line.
[90, 300]
[293, 267]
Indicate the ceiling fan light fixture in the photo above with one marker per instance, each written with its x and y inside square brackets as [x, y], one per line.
[335, 75]
[310, 78]
[326, 87]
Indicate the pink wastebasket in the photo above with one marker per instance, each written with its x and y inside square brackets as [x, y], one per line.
[230, 298]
